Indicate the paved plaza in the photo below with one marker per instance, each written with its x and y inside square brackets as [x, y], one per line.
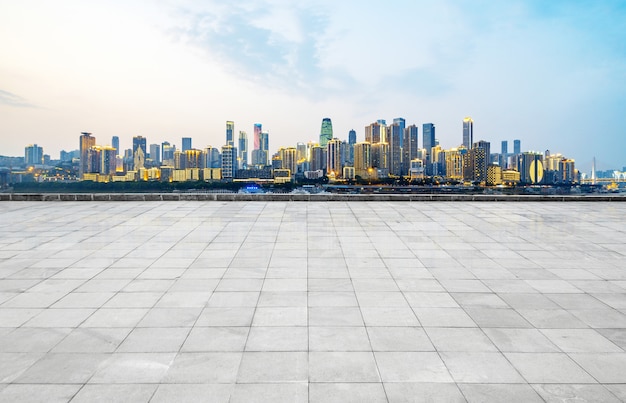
[312, 301]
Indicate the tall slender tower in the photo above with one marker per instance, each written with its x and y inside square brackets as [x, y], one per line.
[428, 133]
[402, 123]
[243, 150]
[326, 132]
[230, 129]
[468, 132]
[115, 142]
[86, 142]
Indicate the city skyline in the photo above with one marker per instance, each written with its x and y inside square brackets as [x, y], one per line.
[552, 74]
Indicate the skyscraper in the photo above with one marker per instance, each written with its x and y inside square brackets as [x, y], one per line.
[86, 142]
[230, 130]
[402, 123]
[326, 132]
[468, 132]
[155, 154]
[115, 143]
[372, 133]
[257, 136]
[229, 161]
[517, 147]
[351, 143]
[409, 148]
[428, 141]
[187, 144]
[395, 149]
[243, 150]
[362, 158]
[505, 147]
[167, 153]
[139, 152]
[333, 160]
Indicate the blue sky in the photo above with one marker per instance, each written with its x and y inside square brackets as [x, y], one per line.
[551, 73]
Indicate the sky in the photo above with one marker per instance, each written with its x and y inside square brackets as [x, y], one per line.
[550, 73]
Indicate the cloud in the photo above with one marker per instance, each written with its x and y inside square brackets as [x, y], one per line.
[11, 99]
[263, 42]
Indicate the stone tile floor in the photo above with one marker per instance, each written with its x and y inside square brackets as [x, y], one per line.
[319, 302]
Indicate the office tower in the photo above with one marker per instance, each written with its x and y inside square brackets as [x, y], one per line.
[260, 155]
[380, 157]
[531, 169]
[230, 130]
[373, 133]
[468, 132]
[350, 149]
[115, 143]
[326, 132]
[383, 131]
[257, 136]
[289, 159]
[211, 158]
[318, 158]
[505, 147]
[187, 144]
[454, 164]
[517, 147]
[479, 161]
[334, 164]
[139, 152]
[193, 159]
[395, 149]
[242, 159]
[409, 147]
[108, 160]
[362, 158]
[155, 154]
[33, 155]
[402, 123]
[428, 141]
[229, 161]
[167, 153]
[86, 142]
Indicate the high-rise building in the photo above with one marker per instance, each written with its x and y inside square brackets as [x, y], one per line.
[260, 155]
[517, 147]
[33, 155]
[229, 161]
[242, 159]
[428, 134]
[318, 158]
[139, 152]
[395, 148]
[289, 158]
[479, 155]
[505, 147]
[155, 154]
[531, 169]
[187, 144]
[167, 153]
[362, 158]
[350, 149]
[334, 164]
[257, 136]
[115, 143]
[409, 147]
[86, 142]
[468, 132]
[326, 132]
[108, 160]
[373, 133]
[230, 130]
[402, 123]
[380, 157]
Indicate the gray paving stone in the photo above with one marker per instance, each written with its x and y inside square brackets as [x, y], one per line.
[244, 301]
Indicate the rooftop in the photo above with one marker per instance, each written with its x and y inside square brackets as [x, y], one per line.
[251, 301]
